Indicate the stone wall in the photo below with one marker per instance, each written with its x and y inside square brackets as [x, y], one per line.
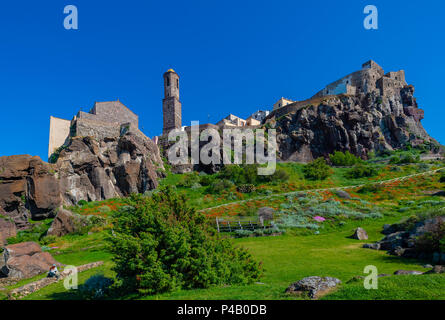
[32, 287]
[59, 131]
[96, 129]
[110, 111]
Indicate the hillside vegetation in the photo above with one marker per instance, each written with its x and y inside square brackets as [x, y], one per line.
[300, 245]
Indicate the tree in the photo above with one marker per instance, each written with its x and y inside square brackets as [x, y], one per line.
[160, 244]
[344, 159]
[317, 170]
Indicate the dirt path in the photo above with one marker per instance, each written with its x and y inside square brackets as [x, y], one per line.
[430, 172]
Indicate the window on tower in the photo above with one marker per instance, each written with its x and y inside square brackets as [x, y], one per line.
[168, 82]
[177, 83]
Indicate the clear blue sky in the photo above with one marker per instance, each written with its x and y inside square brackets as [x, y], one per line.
[232, 56]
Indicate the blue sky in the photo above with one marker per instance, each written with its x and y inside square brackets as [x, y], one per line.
[232, 56]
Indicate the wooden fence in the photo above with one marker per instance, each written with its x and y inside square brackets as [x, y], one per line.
[233, 225]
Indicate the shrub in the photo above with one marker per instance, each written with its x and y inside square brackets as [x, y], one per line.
[432, 241]
[246, 188]
[259, 232]
[442, 178]
[370, 188]
[96, 287]
[361, 171]
[81, 203]
[196, 186]
[104, 209]
[160, 244]
[48, 240]
[219, 186]
[188, 180]
[244, 174]
[317, 170]
[206, 180]
[279, 175]
[344, 159]
[243, 233]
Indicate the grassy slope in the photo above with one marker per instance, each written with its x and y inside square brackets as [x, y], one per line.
[289, 258]
[286, 258]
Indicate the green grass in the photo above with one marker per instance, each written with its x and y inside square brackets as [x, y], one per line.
[289, 258]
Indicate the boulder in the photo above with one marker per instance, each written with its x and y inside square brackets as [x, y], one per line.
[21, 249]
[266, 214]
[64, 223]
[343, 194]
[313, 286]
[24, 267]
[25, 260]
[407, 272]
[360, 234]
[439, 194]
[7, 230]
[374, 246]
[436, 269]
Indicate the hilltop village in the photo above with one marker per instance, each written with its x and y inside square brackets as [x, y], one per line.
[112, 118]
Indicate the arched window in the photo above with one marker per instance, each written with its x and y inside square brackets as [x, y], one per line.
[168, 82]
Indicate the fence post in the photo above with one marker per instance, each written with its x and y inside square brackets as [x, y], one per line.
[217, 224]
[239, 223]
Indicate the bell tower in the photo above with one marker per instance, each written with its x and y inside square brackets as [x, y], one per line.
[171, 106]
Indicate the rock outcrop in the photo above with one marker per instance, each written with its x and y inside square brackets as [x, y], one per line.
[313, 286]
[29, 188]
[65, 222]
[7, 230]
[86, 169]
[357, 123]
[25, 260]
[360, 234]
[406, 239]
[114, 167]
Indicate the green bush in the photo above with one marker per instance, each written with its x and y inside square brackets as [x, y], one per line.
[206, 180]
[279, 175]
[243, 174]
[361, 171]
[344, 159]
[81, 203]
[48, 240]
[317, 170]
[189, 179]
[160, 244]
[370, 188]
[104, 209]
[405, 159]
[442, 178]
[243, 233]
[96, 287]
[219, 186]
[432, 241]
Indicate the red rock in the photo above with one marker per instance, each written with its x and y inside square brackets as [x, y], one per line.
[7, 230]
[22, 249]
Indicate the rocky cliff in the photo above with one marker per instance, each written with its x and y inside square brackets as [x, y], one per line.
[86, 169]
[359, 123]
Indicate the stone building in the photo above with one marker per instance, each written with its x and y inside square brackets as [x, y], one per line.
[371, 78]
[231, 121]
[260, 115]
[281, 103]
[107, 119]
